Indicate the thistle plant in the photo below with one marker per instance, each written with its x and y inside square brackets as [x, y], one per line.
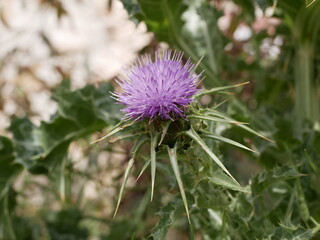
[162, 109]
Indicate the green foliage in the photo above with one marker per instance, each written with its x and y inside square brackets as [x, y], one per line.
[41, 149]
[66, 225]
[224, 174]
[168, 215]
[8, 167]
[80, 113]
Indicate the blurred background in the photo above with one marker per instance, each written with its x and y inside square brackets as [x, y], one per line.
[43, 42]
[58, 63]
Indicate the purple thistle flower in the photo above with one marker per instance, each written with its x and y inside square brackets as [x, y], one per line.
[160, 89]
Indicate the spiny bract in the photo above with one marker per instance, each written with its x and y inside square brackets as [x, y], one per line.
[157, 89]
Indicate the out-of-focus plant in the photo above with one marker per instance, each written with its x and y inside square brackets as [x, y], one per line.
[304, 25]
[43, 42]
[43, 149]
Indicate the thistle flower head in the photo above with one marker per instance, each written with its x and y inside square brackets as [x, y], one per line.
[157, 89]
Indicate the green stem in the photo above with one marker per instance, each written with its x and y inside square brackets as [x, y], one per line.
[7, 219]
[306, 100]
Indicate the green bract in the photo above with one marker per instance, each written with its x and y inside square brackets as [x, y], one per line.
[174, 137]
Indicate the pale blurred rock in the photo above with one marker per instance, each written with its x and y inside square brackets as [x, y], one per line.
[4, 122]
[89, 44]
[242, 33]
[42, 104]
[103, 159]
[76, 155]
[90, 190]
[10, 107]
[107, 39]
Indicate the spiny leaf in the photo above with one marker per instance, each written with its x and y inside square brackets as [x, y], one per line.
[226, 140]
[193, 70]
[174, 163]
[138, 145]
[114, 130]
[126, 175]
[143, 168]
[164, 131]
[303, 206]
[124, 136]
[221, 115]
[215, 119]
[218, 89]
[192, 133]
[153, 145]
[219, 104]
[267, 178]
[168, 215]
[309, 3]
[298, 233]
[136, 148]
[219, 178]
